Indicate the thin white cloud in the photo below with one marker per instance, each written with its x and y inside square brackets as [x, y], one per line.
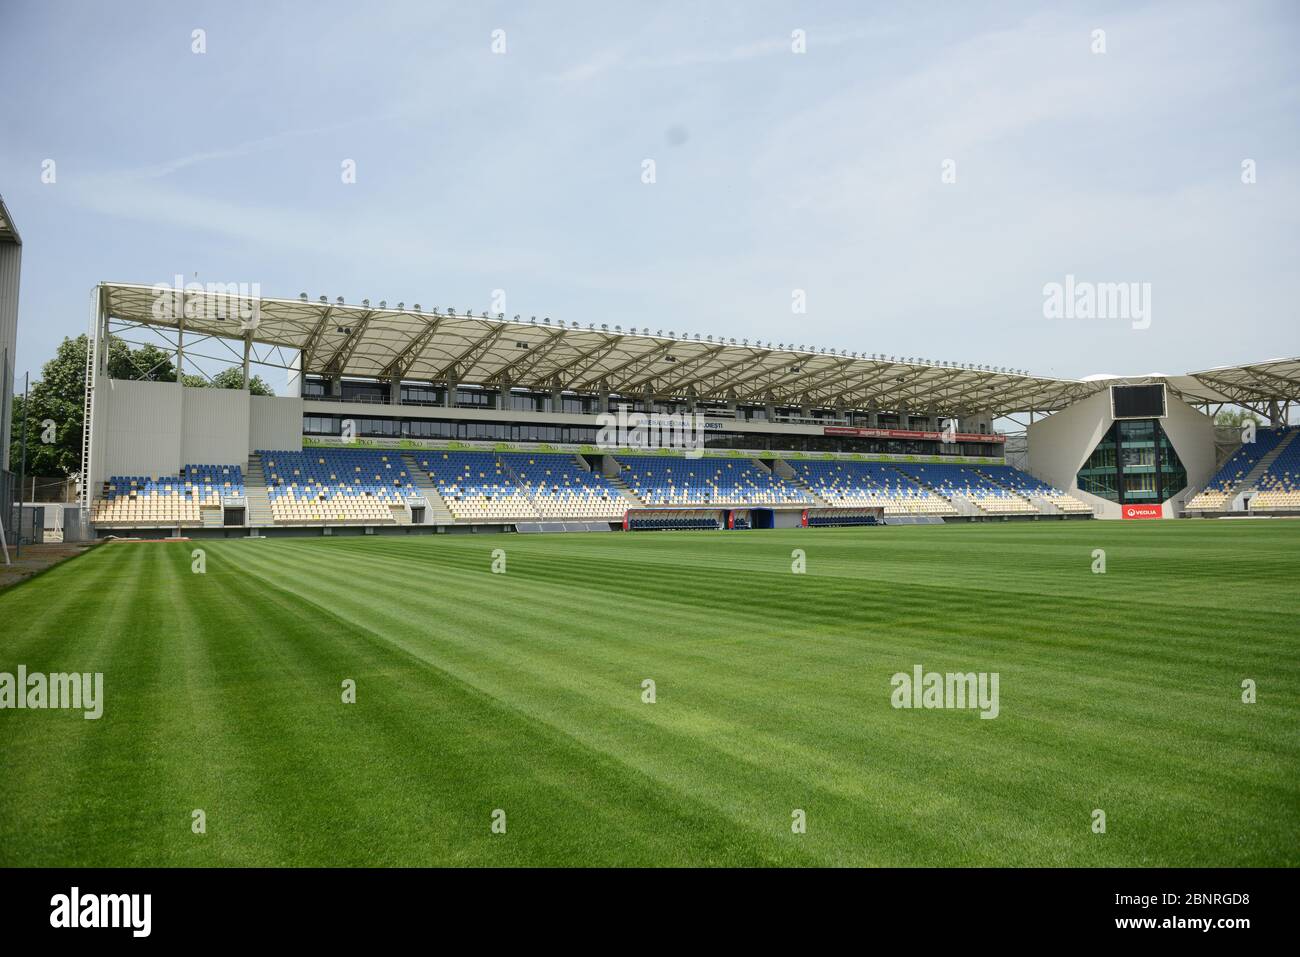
[248, 148]
[612, 60]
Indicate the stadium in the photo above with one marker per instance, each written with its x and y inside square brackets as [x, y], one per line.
[822, 517]
[724, 541]
[409, 422]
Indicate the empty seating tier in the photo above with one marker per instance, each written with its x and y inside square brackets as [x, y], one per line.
[337, 486]
[858, 484]
[1279, 486]
[961, 482]
[673, 480]
[560, 488]
[1219, 490]
[477, 487]
[215, 482]
[147, 501]
[1025, 484]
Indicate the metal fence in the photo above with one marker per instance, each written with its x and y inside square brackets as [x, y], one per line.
[9, 504]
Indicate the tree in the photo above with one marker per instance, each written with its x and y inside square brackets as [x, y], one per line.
[146, 362]
[56, 404]
[57, 398]
[1235, 418]
[232, 378]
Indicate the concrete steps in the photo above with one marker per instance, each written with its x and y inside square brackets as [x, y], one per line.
[259, 505]
[964, 507]
[627, 493]
[436, 512]
[1256, 473]
[610, 471]
[1043, 505]
[791, 475]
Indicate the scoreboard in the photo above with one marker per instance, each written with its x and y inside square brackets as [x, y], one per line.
[1137, 401]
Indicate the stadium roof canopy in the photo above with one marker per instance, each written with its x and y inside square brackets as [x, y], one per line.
[8, 231]
[1273, 380]
[339, 339]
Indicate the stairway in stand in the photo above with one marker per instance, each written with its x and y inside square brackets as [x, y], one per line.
[259, 505]
[1255, 474]
[962, 506]
[618, 483]
[790, 475]
[1043, 505]
[438, 513]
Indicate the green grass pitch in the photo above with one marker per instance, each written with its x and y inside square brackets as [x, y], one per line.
[523, 692]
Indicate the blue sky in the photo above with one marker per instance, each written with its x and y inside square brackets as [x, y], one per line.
[774, 170]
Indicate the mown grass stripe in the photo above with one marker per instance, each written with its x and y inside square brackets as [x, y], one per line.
[1119, 691]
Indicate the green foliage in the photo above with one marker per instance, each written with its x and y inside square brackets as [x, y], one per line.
[231, 378]
[1235, 418]
[59, 397]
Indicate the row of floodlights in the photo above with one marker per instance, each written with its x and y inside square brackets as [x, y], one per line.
[546, 320]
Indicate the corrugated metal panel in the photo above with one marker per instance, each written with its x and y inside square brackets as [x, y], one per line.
[142, 428]
[276, 423]
[11, 257]
[215, 427]
[153, 428]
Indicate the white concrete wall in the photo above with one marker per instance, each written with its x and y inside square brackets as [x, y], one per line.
[141, 424]
[154, 428]
[1193, 437]
[275, 423]
[1061, 443]
[215, 427]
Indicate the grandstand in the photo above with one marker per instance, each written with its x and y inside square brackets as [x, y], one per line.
[147, 501]
[857, 485]
[337, 486]
[665, 480]
[409, 422]
[966, 487]
[1257, 473]
[1031, 488]
[1278, 488]
[376, 487]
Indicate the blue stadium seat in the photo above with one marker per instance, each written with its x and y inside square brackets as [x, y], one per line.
[845, 484]
[1214, 496]
[165, 500]
[337, 485]
[676, 480]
